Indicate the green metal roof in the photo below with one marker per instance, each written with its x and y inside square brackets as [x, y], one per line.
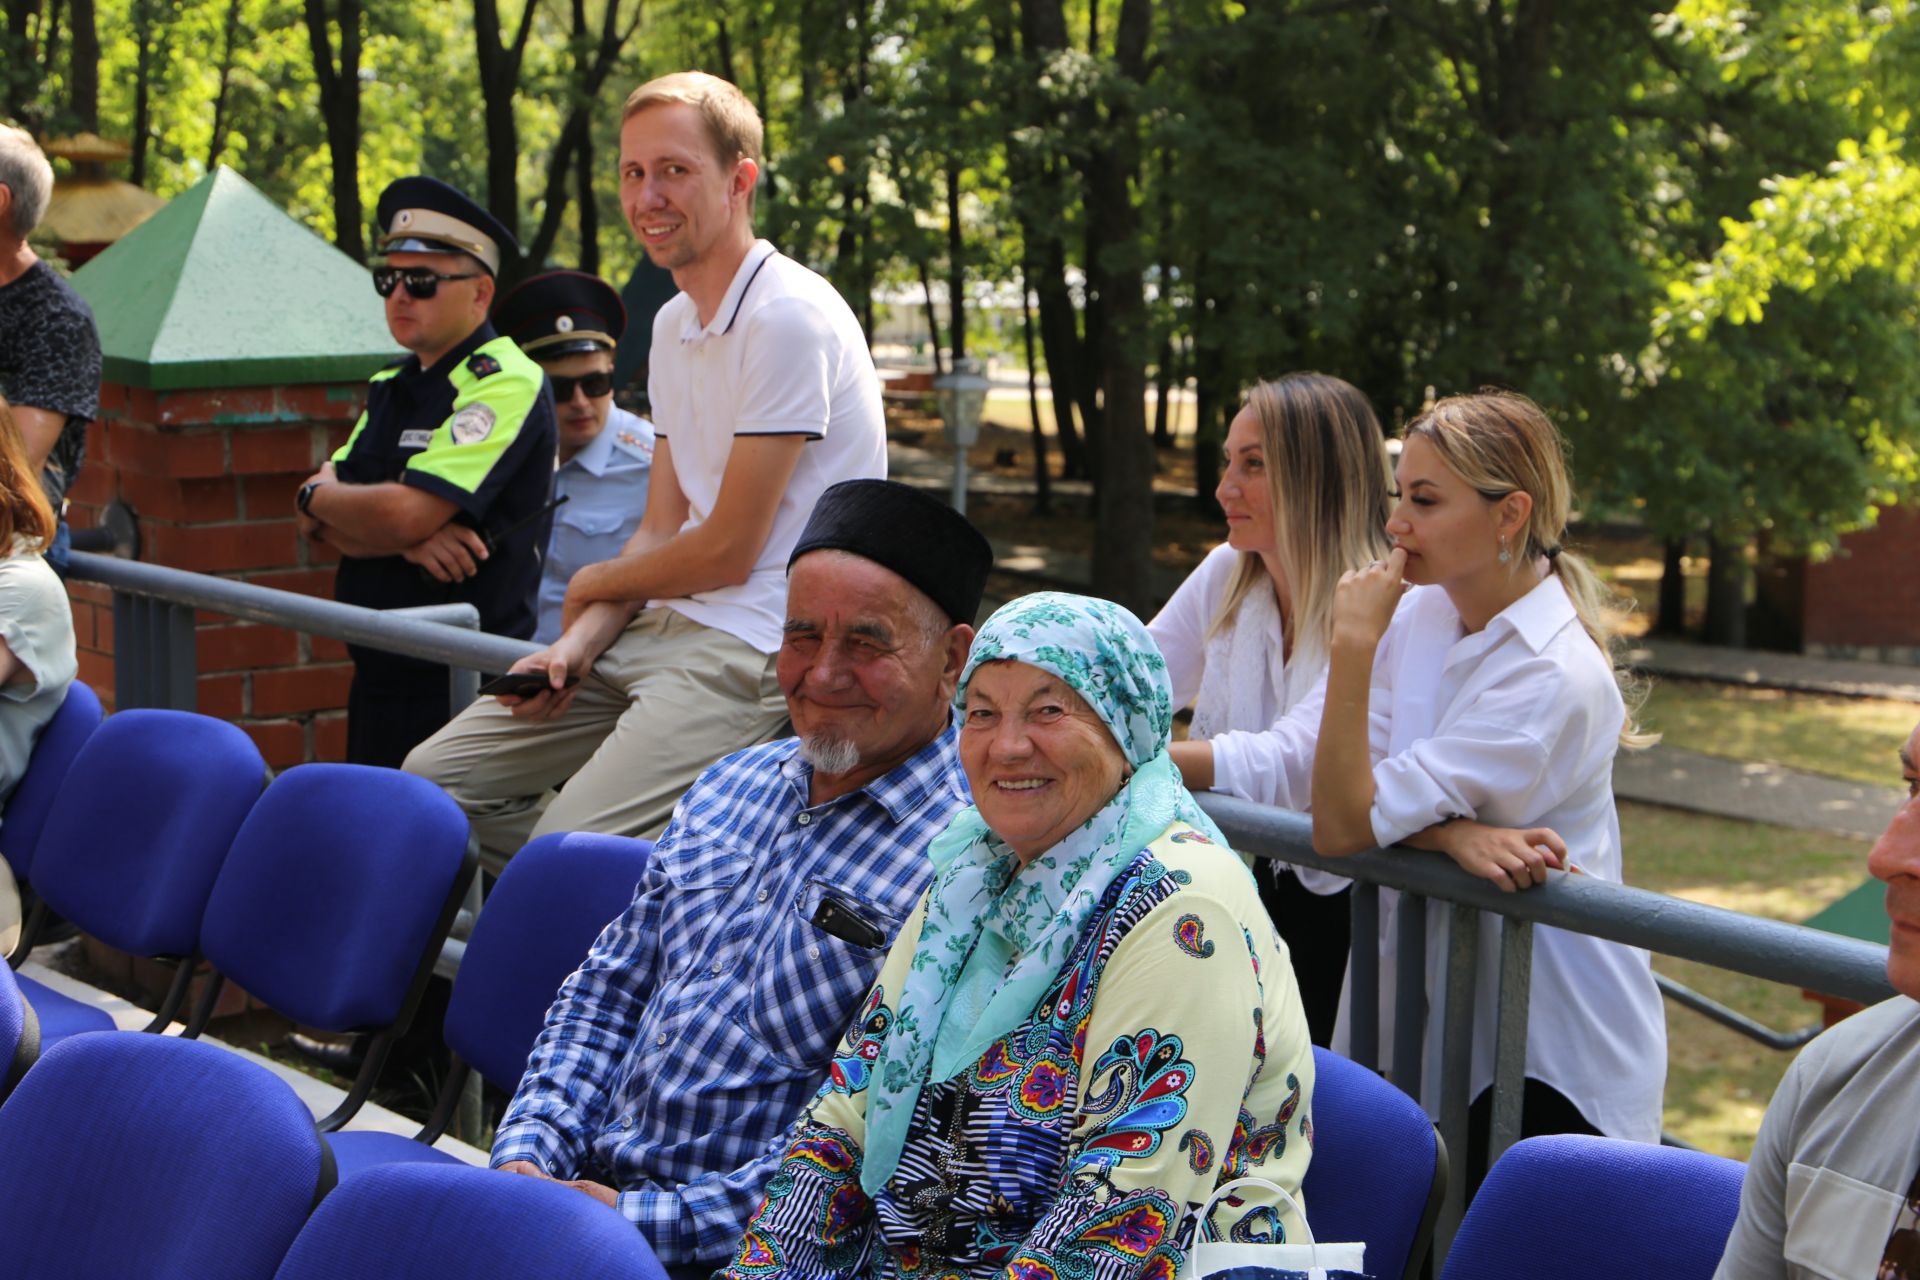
[222, 289]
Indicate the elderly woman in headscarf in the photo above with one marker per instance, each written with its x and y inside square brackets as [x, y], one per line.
[1088, 1023]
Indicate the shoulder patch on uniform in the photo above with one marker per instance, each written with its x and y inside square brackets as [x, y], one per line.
[472, 424]
[482, 365]
[633, 442]
[416, 438]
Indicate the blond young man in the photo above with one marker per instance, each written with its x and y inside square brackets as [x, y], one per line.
[764, 394]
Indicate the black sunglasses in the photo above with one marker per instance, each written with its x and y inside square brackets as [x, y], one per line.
[594, 384]
[421, 282]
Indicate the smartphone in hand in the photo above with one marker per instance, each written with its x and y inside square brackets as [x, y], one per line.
[522, 684]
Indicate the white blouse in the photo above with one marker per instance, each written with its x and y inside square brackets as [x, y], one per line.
[1517, 726]
[1263, 712]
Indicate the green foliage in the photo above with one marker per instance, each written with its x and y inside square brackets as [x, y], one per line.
[1692, 230]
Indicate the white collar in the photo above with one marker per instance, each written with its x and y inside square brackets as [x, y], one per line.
[729, 309]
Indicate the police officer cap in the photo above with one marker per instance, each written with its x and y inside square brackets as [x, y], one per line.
[425, 215]
[912, 533]
[560, 313]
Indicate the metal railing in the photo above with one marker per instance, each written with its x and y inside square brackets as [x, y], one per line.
[1779, 952]
[154, 666]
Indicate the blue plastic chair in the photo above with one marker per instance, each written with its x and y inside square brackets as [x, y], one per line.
[1379, 1169]
[136, 836]
[26, 810]
[124, 1154]
[1571, 1206]
[426, 1222]
[19, 1034]
[539, 922]
[333, 902]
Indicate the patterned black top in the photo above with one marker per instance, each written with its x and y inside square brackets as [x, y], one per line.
[50, 359]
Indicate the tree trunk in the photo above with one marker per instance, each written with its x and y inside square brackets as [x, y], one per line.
[84, 75]
[20, 67]
[499, 75]
[1163, 381]
[933, 317]
[229, 36]
[1726, 593]
[340, 109]
[1671, 616]
[1042, 483]
[589, 211]
[1060, 341]
[956, 265]
[1123, 509]
[144, 40]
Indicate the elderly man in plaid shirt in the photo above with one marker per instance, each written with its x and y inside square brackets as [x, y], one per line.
[703, 1019]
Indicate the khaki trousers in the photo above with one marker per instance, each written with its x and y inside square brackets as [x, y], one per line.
[10, 921]
[668, 698]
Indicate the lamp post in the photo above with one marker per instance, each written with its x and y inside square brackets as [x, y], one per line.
[963, 397]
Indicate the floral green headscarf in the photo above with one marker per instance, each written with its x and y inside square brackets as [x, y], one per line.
[995, 933]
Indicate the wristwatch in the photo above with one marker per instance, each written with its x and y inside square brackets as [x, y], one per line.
[304, 499]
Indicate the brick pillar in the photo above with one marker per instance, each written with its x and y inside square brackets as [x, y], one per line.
[1863, 602]
[211, 476]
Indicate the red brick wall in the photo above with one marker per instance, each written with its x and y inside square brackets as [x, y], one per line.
[211, 476]
[1868, 596]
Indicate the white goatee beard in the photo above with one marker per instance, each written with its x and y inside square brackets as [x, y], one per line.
[829, 755]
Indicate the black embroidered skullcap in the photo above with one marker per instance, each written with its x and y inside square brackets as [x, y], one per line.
[912, 533]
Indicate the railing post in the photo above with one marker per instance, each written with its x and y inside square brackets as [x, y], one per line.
[1410, 993]
[129, 650]
[182, 673]
[1456, 1066]
[1510, 1035]
[1363, 977]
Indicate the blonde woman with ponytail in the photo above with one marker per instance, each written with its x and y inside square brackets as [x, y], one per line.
[1303, 484]
[1478, 717]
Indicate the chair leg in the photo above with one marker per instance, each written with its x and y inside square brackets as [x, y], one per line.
[176, 994]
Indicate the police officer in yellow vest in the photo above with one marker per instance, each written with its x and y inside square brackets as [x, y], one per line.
[440, 492]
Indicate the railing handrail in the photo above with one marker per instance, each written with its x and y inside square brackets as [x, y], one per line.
[375, 628]
[1771, 949]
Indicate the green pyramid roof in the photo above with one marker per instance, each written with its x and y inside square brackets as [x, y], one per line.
[222, 289]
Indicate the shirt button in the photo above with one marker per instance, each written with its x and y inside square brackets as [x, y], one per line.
[804, 819]
[719, 969]
[661, 1040]
[813, 953]
[762, 896]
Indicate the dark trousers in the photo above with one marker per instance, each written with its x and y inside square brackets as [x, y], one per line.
[1318, 930]
[391, 709]
[1543, 1110]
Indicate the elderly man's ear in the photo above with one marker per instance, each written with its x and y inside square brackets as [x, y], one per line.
[959, 642]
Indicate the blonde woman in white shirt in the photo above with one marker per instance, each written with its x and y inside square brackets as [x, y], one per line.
[1479, 718]
[1303, 484]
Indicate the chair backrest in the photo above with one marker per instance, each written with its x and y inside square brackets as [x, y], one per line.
[543, 915]
[426, 1221]
[1378, 1170]
[338, 883]
[124, 1154]
[19, 1033]
[1571, 1206]
[25, 814]
[142, 824]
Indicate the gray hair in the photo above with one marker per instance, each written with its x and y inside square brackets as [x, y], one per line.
[24, 170]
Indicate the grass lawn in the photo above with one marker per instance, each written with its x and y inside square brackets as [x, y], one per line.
[1850, 738]
[1718, 1082]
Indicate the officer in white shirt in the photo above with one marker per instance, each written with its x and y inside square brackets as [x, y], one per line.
[571, 323]
[1479, 718]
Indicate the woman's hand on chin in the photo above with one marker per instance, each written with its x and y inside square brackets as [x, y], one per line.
[1511, 857]
[1364, 602]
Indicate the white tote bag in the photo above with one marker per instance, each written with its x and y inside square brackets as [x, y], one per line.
[1228, 1260]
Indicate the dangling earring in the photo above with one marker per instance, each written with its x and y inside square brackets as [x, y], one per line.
[1505, 555]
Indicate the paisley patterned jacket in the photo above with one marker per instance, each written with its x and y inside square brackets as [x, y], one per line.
[1168, 1056]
